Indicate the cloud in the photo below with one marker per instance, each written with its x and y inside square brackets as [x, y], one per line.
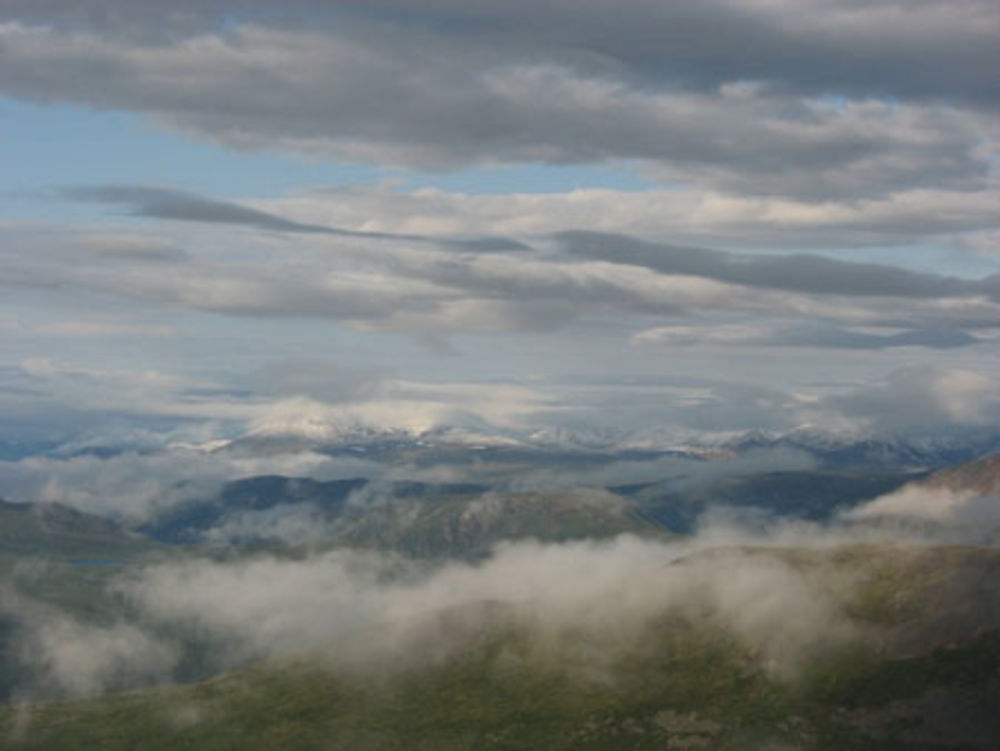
[407, 408]
[131, 248]
[320, 380]
[168, 203]
[300, 402]
[585, 603]
[165, 203]
[795, 273]
[288, 523]
[828, 104]
[589, 602]
[950, 508]
[86, 660]
[133, 487]
[61, 654]
[923, 401]
[54, 245]
[664, 416]
[147, 410]
[104, 328]
[134, 469]
[277, 291]
[623, 275]
[984, 244]
[433, 293]
[931, 49]
[684, 215]
[117, 399]
[930, 404]
[823, 336]
[679, 472]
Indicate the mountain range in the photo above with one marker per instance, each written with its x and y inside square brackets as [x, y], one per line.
[488, 442]
[751, 642]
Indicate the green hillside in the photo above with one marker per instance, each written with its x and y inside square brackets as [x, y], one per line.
[814, 494]
[55, 531]
[470, 527]
[919, 675]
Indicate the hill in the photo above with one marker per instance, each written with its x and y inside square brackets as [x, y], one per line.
[816, 494]
[960, 503]
[56, 531]
[421, 519]
[911, 673]
[980, 476]
[471, 527]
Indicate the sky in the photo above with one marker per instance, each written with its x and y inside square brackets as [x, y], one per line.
[696, 218]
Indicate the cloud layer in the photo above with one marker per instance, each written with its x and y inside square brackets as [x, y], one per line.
[811, 198]
[791, 99]
[585, 603]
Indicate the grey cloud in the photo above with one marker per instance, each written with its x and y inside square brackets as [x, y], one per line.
[741, 406]
[658, 417]
[278, 292]
[134, 486]
[924, 401]
[284, 287]
[320, 380]
[135, 248]
[680, 472]
[432, 292]
[542, 282]
[819, 335]
[686, 216]
[427, 293]
[927, 48]
[796, 273]
[414, 94]
[840, 338]
[921, 404]
[291, 524]
[167, 203]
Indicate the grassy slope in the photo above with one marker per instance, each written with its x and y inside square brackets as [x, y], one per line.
[65, 558]
[686, 694]
[61, 533]
[444, 526]
[688, 685]
[813, 494]
[58, 557]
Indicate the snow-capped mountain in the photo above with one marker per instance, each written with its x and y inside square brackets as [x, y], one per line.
[830, 447]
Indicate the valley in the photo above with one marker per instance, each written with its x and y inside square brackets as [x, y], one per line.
[296, 613]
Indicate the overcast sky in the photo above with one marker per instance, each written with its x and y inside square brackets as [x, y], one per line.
[222, 215]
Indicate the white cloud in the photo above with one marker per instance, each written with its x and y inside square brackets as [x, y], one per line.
[683, 215]
[68, 656]
[358, 607]
[924, 401]
[135, 486]
[962, 512]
